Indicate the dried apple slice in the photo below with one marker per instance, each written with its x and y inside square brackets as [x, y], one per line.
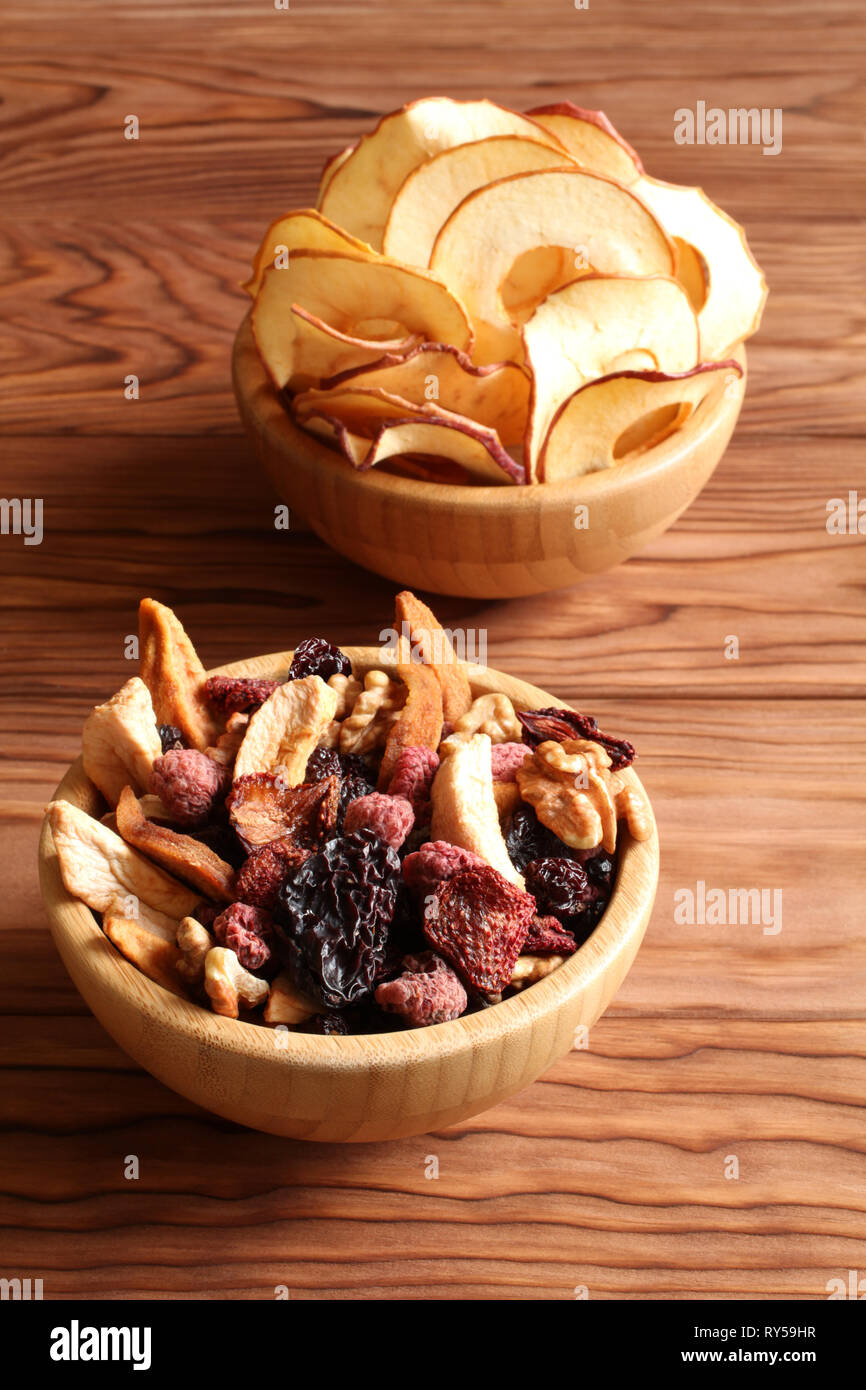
[626, 413]
[735, 289]
[120, 741]
[299, 352]
[370, 425]
[591, 139]
[337, 293]
[304, 230]
[172, 672]
[330, 168]
[435, 373]
[181, 855]
[599, 325]
[359, 193]
[429, 195]
[608, 229]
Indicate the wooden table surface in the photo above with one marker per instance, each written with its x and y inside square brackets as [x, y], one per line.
[122, 257]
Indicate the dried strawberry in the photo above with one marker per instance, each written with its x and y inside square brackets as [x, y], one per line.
[316, 657]
[238, 694]
[556, 724]
[547, 936]
[261, 808]
[427, 992]
[248, 932]
[434, 863]
[412, 778]
[389, 817]
[263, 873]
[479, 921]
[189, 784]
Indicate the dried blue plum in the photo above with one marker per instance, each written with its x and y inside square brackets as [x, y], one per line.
[316, 657]
[334, 915]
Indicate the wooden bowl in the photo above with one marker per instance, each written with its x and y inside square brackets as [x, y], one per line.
[343, 1089]
[480, 542]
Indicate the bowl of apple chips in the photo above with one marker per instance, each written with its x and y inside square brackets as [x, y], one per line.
[497, 357]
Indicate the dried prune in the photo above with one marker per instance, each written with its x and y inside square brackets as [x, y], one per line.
[333, 918]
[171, 737]
[557, 724]
[316, 657]
[559, 886]
[238, 694]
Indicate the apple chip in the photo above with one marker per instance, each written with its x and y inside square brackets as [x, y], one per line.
[619, 416]
[607, 228]
[180, 854]
[155, 954]
[283, 732]
[366, 302]
[464, 805]
[305, 350]
[98, 867]
[174, 675]
[369, 425]
[437, 652]
[437, 374]
[600, 325]
[304, 230]
[359, 193]
[120, 741]
[287, 1004]
[330, 168]
[431, 192]
[735, 291]
[591, 139]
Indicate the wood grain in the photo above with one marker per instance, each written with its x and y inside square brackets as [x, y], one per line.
[118, 257]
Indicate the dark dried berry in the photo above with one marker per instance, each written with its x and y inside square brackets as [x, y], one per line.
[316, 657]
[356, 777]
[559, 886]
[555, 724]
[334, 916]
[527, 839]
[171, 737]
[331, 1025]
[238, 694]
[548, 937]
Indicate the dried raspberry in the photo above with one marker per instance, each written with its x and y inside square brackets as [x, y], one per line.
[412, 778]
[189, 784]
[316, 657]
[527, 839]
[479, 921]
[555, 724]
[427, 992]
[505, 759]
[559, 886]
[248, 932]
[262, 875]
[262, 808]
[171, 737]
[389, 817]
[547, 936]
[434, 863]
[238, 694]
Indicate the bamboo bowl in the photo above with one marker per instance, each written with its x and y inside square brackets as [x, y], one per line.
[350, 1089]
[480, 542]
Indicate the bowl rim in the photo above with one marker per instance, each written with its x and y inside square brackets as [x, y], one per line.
[256, 393]
[73, 925]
